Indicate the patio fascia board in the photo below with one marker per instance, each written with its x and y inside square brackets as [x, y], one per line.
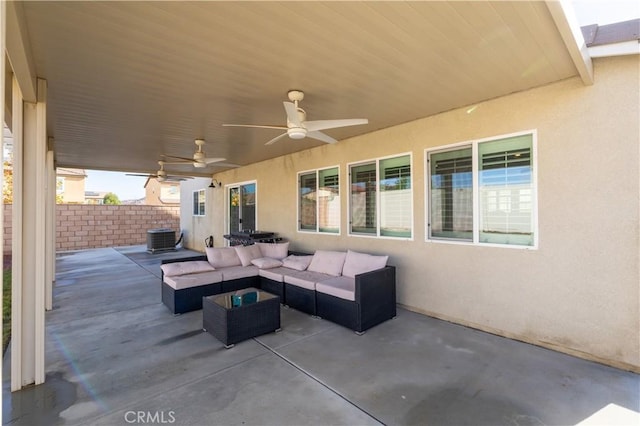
[19, 51]
[564, 17]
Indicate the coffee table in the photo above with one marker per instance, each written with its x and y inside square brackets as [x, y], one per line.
[240, 315]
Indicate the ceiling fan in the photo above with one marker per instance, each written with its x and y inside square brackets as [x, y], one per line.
[298, 128]
[199, 158]
[161, 175]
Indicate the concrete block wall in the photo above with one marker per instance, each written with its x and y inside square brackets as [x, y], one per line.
[82, 226]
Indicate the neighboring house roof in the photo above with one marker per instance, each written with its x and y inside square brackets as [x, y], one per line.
[61, 171]
[598, 35]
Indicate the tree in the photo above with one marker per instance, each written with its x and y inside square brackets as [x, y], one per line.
[111, 198]
[7, 183]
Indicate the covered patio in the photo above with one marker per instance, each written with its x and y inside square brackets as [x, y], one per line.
[115, 355]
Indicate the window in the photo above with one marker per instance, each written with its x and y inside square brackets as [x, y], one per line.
[381, 198]
[319, 201]
[199, 198]
[484, 192]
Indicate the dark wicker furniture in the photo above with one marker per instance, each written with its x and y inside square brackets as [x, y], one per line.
[375, 301]
[232, 324]
[187, 299]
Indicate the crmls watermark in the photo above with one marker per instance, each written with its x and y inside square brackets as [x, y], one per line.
[142, 417]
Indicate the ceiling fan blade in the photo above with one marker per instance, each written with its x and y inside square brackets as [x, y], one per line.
[292, 114]
[312, 126]
[212, 160]
[141, 175]
[184, 159]
[321, 137]
[175, 178]
[223, 164]
[257, 126]
[276, 139]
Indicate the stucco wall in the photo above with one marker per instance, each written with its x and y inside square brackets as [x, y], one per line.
[578, 292]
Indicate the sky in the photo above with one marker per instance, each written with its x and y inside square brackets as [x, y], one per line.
[587, 12]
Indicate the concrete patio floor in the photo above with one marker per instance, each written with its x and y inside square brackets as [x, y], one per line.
[116, 356]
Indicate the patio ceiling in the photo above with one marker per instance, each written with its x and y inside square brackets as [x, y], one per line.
[129, 81]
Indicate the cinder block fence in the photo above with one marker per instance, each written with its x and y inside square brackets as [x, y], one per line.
[83, 226]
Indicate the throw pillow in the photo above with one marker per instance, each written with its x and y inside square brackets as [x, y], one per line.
[182, 268]
[221, 257]
[248, 253]
[266, 262]
[299, 263]
[328, 262]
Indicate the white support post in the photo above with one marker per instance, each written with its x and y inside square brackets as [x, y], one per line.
[17, 238]
[50, 239]
[28, 295]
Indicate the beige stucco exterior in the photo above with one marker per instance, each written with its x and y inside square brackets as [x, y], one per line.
[71, 183]
[577, 292]
[161, 193]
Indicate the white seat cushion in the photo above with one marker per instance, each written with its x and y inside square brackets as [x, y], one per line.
[220, 257]
[248, 253]
[342, 287]
[274, 274]
[180, 282]
[358, 263]
[328, 262]
[189, 267]
[236, 272]
[305, 279]
[274, 250]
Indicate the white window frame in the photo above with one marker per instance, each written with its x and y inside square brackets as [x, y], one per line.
[227, 206]
[317, 230]
[378, 206]
[201, 211]
[474, 143]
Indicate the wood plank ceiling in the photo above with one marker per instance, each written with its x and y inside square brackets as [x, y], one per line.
[129, 81]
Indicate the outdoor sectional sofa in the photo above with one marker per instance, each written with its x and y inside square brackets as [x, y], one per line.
[355, 290]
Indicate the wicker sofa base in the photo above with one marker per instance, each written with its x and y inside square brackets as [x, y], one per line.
[187, 299]
[300, 298]
[273, 287]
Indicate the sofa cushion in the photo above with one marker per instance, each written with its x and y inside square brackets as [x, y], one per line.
[248, 253]
[274, 274]
[299, 263]
[220, 257]
[327, 262]
[234, 272]
[274, 250]
[188, 267]
[357, 263]
[342, 287]
[305, 279]
[266, 263]
[179, 282]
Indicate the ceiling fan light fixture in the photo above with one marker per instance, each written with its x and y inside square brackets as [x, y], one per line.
[297, 133]
[199, 165]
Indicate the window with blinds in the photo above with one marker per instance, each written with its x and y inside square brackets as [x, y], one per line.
[381, 197]
[451, 195]
[319, 201]
[499, 196]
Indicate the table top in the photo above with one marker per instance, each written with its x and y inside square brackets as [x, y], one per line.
[240, 298]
